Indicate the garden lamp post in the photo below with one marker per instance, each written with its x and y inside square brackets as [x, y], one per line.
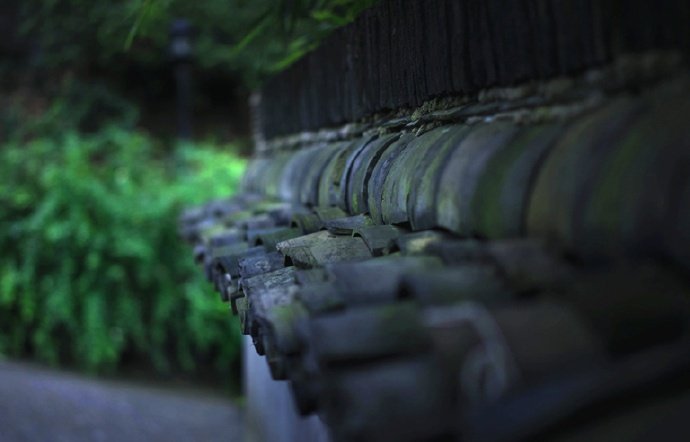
[181, 54]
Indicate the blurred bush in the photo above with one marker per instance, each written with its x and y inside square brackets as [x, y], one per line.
[92, 273]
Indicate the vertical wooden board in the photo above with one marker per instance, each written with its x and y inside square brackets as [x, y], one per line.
[543, 36]
[563, 15]
[400, 179]
[528, 69]
[348, 78]
[481, 46]
[337, 80]
[643, 26]
[359, 77]
[435, 48]
[296, 100]
[400, 68]
[328, 82]
[297, 116]
[379, 173]
[499, 204]
[635, 12]
[672, 25]
[327, 86]
[579, 34]
[365, 64]
[583, 25]
[419, 35]
[475, 38]
[458, 179]
[683, 16]
[325, 81]
[396, 53]
[503, 37]
[358, 171]
[345, 69]
[384, 62]
[594, 51]
[459, 46]
[423, 198]
[309, 92]
[568, 170]
[405, 42]
[265, 116]
[511, 36]
[611, 24]
[299, 94]
[319, 87]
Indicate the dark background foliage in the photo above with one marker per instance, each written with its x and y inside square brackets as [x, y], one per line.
[93, 274]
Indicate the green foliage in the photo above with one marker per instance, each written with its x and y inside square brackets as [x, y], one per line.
[93, 273]
[253, 38]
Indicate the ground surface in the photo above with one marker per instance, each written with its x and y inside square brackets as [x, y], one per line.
[41, 405]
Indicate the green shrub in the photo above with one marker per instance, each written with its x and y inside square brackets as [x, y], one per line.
[92, 273]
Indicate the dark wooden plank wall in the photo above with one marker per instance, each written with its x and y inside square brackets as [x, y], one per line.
[402, 53]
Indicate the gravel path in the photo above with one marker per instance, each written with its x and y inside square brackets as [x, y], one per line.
[44, 406]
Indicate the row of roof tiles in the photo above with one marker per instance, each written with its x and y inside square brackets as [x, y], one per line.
[492, 281]
[608, 180]
[391, 334]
